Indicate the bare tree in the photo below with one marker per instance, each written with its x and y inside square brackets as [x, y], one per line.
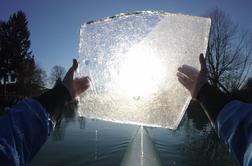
[228, 54]
[57, 72]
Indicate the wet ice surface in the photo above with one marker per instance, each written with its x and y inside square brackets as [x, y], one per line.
[132, 60]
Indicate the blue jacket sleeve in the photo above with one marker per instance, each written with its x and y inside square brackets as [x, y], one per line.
[24, 129]
[234, 127]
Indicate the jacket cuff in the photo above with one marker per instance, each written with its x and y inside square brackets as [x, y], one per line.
[212, 100]
[54, 99]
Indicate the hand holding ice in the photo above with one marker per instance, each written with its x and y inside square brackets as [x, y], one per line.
[132, 60]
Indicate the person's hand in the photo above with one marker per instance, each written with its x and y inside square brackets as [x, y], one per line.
[193, 79]
[78, 85]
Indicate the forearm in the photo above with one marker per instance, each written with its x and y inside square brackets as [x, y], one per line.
[234, 127]
[231, 119]
[26, 128]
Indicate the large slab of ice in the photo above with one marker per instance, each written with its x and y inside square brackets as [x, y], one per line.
[132, 60]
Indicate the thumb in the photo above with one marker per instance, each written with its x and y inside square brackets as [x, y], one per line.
[68, 80]
[202, 62]
[70, 72]
[75, 64]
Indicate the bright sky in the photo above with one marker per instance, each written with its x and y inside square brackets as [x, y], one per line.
[54, 24]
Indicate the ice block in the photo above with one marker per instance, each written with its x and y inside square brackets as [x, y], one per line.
[132, 60]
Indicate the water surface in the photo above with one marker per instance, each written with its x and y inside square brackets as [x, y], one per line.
[80, 141]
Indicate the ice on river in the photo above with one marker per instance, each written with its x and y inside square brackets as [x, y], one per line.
[132, 60]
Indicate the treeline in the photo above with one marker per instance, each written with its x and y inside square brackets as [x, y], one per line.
[20, 75]
[228, 57]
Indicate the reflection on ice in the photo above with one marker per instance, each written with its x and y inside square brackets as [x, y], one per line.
[141, 150]
[132, 60]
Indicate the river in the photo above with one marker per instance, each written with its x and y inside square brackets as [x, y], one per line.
[81, 141]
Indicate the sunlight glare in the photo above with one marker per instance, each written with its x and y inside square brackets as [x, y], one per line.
[141, 73]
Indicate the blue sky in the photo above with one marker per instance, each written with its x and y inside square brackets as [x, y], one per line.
[54, 24]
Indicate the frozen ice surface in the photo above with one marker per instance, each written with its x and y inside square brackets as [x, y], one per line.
[132, 60]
